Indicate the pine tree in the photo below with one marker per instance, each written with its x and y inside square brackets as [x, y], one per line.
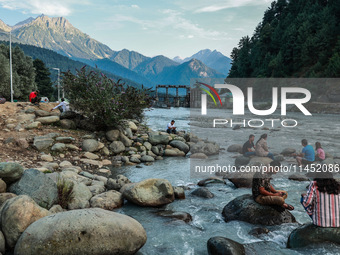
[42, 78]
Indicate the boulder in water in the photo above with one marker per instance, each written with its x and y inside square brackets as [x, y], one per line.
[235, 148]
[202, 192]
[219, 245]
[310, 234]
[244, 208]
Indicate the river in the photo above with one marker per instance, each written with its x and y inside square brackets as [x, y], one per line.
[176, 237]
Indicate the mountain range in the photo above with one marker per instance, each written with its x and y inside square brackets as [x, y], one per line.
[59, 35]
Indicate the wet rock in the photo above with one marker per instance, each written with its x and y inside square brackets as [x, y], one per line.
[68, 124]
[149, 192]
[210, 180]
[90, 145]
[108, 200]
[48, 120]
[279, 158]
[311, 234]
[17, 214]
[117, 147]
[179, 192]
[180, 145]
[89, 231]
[298, 177]
[235, 148]
[5, 196]
[242, 161]
[184, 216]
[244, 208]
[288, 151]
[236, 127]
[258, 231]
[10, 172]
[224, 246]
[202, 192]
[38, 186]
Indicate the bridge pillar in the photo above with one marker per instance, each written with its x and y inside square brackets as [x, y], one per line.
[167, 95]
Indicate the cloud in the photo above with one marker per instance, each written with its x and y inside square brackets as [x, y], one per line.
[135, 6]
[230, 4]
[53, 8]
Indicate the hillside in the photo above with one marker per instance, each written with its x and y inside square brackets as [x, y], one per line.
[294, 39]
[53, 59]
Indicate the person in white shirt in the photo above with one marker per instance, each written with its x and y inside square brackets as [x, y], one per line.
[171, 127]
[63, 106]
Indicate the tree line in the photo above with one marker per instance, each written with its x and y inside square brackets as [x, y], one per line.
[296, 38]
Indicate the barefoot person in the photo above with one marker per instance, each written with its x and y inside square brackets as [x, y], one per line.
[307, 156]
[248, 148]
[261, 148]
[171, 127]
[322, 201]
[264, 193]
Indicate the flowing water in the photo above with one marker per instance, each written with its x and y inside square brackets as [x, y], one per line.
[167, 236]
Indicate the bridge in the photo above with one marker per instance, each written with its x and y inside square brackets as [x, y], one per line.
[173, 100]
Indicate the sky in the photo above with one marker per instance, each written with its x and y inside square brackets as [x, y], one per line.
[151, 27]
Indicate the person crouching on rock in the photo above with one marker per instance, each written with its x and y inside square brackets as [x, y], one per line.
[322, 201]
[263, 191]
[62, 106]
[33, 97]
[171, 127]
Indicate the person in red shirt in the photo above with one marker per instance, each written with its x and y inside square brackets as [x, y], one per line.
[33, 97]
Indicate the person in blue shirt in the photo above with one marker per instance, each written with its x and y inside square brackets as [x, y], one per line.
[307, 156]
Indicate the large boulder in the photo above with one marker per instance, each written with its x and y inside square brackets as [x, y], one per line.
[224, 246]
[180, 145]
[11, 172]
[149, 192]
[5, 196]
[108, 200]
[81, 197]
[155, 139]
[206, 148]
[235, 148]
[38, 186]
[241, 180]
[241, 161]
[202, 192]
[17, 214]
[287, 151]
[311, 234]
[90, 145]
[42, 113]
[48, 120]
[89, 231]
[244, 208]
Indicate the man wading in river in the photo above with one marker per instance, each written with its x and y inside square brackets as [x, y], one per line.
[263, 191]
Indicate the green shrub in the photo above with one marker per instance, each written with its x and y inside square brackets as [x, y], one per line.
[65, 192]
[103, 101]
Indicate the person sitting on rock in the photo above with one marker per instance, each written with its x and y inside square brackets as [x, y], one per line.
[248, 146]
[322, 201]
[261, 148]
[62, 106]
[320, 153]
[33, 97]
[307, 156]
[171, 127]
[264, 193]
